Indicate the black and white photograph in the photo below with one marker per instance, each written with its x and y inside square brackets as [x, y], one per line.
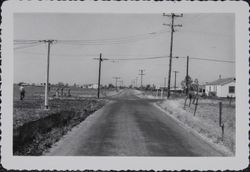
[159, 84]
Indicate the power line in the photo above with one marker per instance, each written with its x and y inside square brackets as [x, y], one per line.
[23, 47]
[25, 43]
[103, 43]
[139, 36]
[129, 59]
[214, 60]
[55, 54]
[120, 40]
[145, 58]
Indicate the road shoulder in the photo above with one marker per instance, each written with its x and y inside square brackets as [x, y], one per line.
[60, 148]
[220, 148]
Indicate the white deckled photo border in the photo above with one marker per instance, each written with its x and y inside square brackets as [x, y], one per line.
[239, 161]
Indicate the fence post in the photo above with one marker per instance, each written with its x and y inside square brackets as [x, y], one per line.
[190, 101]
[220, 121]
[222, 132]
[196, 104]
[185, 102]
[220, 112]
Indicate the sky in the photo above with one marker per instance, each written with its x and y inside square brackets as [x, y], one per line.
[122, 36]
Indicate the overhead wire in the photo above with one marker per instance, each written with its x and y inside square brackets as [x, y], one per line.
[214, 60]
[25, 42]
[27, 46]
[63, 55]
[138, 36]
[166, 56]
[132, 59]
[121, 40]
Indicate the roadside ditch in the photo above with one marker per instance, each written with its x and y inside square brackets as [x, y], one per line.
[33, 137]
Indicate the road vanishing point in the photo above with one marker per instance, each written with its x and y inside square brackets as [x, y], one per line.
[131, 126]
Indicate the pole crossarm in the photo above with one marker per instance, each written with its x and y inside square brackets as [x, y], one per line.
[172, 14]
[48, 41]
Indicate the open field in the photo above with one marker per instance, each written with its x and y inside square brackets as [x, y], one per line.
[37, 92]
[206, 119]
[36, 129]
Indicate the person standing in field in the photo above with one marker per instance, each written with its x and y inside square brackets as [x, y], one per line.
[22, 92]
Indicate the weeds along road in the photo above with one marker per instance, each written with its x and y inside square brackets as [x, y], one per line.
[130, 126]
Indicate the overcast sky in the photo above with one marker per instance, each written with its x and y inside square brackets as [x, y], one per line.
[209, 36]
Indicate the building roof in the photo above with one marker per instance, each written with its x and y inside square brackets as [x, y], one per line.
[221, 81]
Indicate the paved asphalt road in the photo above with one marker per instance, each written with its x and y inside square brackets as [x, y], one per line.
[130, 126]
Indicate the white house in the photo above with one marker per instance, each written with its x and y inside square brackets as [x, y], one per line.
[92, 86]
[222, 87]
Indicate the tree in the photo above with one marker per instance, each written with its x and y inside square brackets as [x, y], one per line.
[60, 84]
[195, 85]
[186, 83]
[111, 86]
[148, 87]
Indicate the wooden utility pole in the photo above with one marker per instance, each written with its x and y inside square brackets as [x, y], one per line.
[46, 99]
[136, 81]
[141, 73]
[187, 84]
[99, 75]
[165, 82]
[116, 80]
[172, 25]
[175, 72]
[121, 83]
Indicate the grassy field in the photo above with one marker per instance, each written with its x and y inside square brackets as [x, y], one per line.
[36, 129]
[206, 119]
[37, 92]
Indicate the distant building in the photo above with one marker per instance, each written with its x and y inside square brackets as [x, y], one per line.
[93, 86]
[222, 87]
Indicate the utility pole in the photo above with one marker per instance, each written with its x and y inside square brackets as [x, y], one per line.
[121, 83]
[165, 82]
[175, 72]
[46, 99]
[99, 76]
[187, 85]
[172, 25]
[116, 80]
[136, 81]
[99, 73]
[141, 73]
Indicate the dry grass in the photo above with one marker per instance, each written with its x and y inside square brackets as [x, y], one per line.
[206, 119]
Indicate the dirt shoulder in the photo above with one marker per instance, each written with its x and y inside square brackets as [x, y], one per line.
[206, 120]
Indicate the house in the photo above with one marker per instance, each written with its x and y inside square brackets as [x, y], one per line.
[92, 86]
[222, 87]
